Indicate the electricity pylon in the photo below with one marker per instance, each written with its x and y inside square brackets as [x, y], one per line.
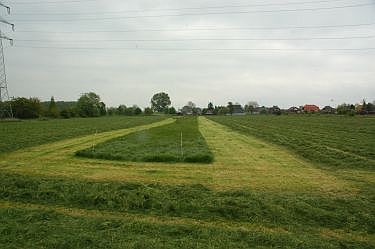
[5, 106]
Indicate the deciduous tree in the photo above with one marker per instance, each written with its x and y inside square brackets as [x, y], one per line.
[89, 105]
[160, 102]
[53, 112]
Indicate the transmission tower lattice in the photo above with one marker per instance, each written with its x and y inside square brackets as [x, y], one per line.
[5, 106]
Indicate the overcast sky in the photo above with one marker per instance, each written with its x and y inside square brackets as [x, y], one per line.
[165, 51]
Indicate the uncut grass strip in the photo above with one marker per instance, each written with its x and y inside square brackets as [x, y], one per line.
[159, 144]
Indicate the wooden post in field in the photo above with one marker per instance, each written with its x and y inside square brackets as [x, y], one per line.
[182, 152]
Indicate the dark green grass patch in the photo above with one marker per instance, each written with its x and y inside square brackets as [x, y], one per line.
[160, 144]
[19, 135]
[302, 211]
[333, 141]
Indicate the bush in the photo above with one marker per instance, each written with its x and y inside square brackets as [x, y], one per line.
[24, 108]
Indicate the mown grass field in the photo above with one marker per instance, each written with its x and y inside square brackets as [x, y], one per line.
[334, 141]
[18, 135]
[180, 141]
[255, 194]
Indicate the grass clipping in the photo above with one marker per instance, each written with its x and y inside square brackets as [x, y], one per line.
[180, 141]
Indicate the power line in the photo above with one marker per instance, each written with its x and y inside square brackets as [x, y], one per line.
[202, 49]
[53, 2]
[179, 9]
[209, 39]
[197, 14]
[201, 29]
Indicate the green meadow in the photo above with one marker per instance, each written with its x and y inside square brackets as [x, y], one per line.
[275, 182]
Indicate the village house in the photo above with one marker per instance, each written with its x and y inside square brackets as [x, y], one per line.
[209, 112]
[311, 108]
[294, 109]
[328, 110]
[186, 110]
[238, 110]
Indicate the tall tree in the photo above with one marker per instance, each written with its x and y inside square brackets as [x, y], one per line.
[52, 109]
[137, 110]
[148, 111]
[230, 108]
[160, 102]
[172, 111]
[102, 109]
[89, 105]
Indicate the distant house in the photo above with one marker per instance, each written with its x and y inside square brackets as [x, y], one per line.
[328, 110]
[260, 110]
[311, 108]
[197, 111]
[275, 110]
[187, 110]
[294, 109]
[209, 112]
[238, 110]
[190, 110]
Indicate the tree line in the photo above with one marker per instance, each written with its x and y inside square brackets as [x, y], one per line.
[88, 105]
[91, 105]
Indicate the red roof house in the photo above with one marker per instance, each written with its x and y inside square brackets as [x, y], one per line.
[311, 108]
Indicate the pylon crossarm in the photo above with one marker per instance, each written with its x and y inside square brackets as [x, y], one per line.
[6, 22]
[7, 38]
[5, 6]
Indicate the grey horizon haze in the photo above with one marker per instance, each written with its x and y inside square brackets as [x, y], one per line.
[273, 52]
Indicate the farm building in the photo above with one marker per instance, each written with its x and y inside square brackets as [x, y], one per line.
[238, 110]
[294, 110]
[209, 112]
[275, 110]
[311, 108]
[328, 110]
[187, 110]
[260, 110]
